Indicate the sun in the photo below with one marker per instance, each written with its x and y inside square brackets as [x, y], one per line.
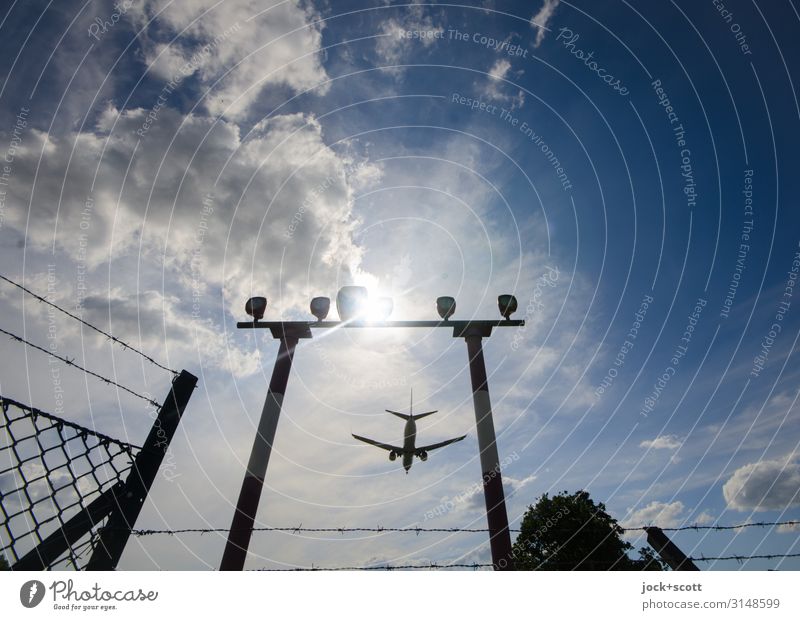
[378, 309]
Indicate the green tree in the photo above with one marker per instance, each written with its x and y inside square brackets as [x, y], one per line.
[3, 563]
[571, 532]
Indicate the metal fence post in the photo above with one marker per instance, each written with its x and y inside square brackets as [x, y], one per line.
[51, 548]
[115, 534]
[668, 550]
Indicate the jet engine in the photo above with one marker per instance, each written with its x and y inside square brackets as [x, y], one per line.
[392, 455]
[423, 456]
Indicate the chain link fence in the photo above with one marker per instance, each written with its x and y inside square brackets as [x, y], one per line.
[51, 469]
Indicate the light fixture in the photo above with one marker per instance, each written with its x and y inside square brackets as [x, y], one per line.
[255, 307]
[507, 305]
[351, 302]
[446, 307]
[320, 306]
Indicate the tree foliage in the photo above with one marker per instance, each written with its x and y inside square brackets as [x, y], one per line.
[571, 532]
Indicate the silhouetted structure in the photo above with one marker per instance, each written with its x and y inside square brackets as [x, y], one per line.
[75, 489]
[409, 449]
[668, 550]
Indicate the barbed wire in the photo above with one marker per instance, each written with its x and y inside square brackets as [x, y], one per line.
[418, 530]
[740, 558]
[122, 343]
[431, 566]
[722, 527]
[475, 566]
[315, 530]
[81, 368]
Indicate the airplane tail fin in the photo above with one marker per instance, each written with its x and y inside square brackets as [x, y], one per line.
[410, 415]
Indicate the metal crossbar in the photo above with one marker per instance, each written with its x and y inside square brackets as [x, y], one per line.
[51, 470]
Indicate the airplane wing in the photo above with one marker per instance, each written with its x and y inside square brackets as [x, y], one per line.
[378, 444]
[441, 444]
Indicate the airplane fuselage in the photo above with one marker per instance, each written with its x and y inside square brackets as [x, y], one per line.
[409, 448]
[409, 441]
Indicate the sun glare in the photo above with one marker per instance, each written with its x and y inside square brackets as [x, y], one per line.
[378, 309]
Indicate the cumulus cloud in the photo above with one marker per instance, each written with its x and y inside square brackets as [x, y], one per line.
[764, 485]
[541, 20]
[192, 186]
[238, 47]
[660, 514]
[189, 202]
[662, 442]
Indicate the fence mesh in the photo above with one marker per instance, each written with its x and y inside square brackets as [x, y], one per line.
[51, 469]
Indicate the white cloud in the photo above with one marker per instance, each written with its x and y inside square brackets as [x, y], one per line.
[541, 20]
[279, 220]
[146, 318]
[661, 514]
[280, 192]
[500, 69]
[238, 47]
[496, 85]
[392, 46]
[656, 513]
[764, 485]
[662, 442]
[511, 487]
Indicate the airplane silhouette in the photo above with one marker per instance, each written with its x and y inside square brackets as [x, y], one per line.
[409, 449]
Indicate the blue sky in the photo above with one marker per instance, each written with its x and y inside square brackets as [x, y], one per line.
[616, 165]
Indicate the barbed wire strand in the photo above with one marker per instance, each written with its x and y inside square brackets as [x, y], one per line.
[81, 368]
[722, 527]
[740, 558]
[475, 566]
[315, 530]
[122, 343]
[417, 530]
[431, 566]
